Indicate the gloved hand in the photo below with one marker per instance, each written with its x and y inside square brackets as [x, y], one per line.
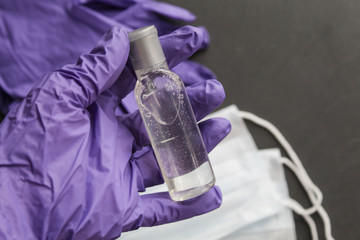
[39, 36]
[72, 165]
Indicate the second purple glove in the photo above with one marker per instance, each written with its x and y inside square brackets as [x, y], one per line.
[39, 36]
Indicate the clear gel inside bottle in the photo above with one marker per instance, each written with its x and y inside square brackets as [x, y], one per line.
[169, 120]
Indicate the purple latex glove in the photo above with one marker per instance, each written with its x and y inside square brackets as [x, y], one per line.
[72, 166]
[39, 36]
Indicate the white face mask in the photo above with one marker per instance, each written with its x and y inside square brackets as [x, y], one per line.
[256, 203]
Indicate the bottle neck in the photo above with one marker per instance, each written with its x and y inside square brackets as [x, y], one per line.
[140, 72]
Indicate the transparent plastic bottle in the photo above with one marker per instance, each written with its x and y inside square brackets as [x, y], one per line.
[169, 119]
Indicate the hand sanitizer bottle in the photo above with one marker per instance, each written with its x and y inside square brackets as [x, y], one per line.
[169, 119]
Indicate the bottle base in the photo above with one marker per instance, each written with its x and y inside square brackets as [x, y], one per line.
[190, 193]
[191, 184]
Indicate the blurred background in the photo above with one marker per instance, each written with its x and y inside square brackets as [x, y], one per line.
[296, 64]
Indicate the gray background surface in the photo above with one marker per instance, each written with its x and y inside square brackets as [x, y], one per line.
[297, 64]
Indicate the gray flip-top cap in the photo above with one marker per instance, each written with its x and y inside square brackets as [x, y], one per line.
[145, 48]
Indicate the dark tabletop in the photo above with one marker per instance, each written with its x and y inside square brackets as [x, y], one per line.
[296, 63]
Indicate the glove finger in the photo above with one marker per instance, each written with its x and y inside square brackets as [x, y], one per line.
[170, 11]
[213, 131]
[206, 40]
[182, 44]
[163, 15]
[137, 10]
[106, 3]
[204, 98]
[192, 72]
[177, 46]
[82, 83]
[158, 208]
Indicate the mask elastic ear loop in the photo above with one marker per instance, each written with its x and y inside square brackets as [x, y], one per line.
[297, 208]
[293, 156]
[296, 166]
[306, 185]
